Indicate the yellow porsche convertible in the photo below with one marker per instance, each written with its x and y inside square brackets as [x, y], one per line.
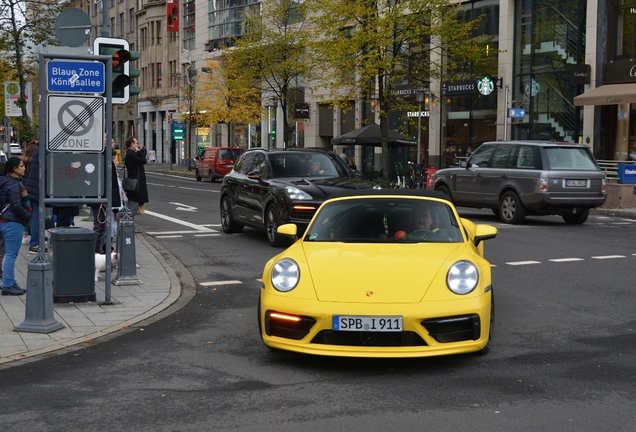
[381, 273]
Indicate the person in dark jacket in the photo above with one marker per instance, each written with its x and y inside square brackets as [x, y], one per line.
[99, 211]
[32, 184]
[13, 220]
[134, 161]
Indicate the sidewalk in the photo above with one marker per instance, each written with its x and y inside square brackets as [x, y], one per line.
[86, 321]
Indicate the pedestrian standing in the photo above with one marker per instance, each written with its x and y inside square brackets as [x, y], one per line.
[14, 193]
[99, 211]
[134, 161]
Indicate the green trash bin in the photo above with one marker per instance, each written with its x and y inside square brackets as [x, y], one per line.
[73, 264]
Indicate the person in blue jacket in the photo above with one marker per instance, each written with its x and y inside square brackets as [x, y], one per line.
[13, 196]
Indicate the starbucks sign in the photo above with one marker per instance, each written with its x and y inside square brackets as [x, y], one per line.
[485, 85]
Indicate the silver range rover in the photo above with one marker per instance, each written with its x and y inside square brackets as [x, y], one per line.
[517, 178]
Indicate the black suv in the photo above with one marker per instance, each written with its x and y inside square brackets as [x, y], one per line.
[268, 188]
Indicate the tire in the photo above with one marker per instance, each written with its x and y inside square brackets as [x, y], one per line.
[228, 223]
[272, 221]
[576, 219]
[486, 348]
[197, 176]
[443, 189]
[511, 209]
[212, 179]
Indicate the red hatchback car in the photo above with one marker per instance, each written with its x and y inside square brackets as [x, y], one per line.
[215, 162]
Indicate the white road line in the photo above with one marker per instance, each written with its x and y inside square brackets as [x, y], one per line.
[207, 235]
[608, 257]
[516, 263]
[621, 223]
[179, 221]
[170, 236]
[175, 232]
[558, 260]
[629, 220]
[216, 283]
[197, 189]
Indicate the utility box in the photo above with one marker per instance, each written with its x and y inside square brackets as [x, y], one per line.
[73, 260]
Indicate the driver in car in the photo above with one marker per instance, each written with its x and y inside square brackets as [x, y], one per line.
[314, 168]
[425, 219]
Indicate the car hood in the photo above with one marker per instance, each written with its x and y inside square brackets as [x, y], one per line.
[376, 273]
[324, 188]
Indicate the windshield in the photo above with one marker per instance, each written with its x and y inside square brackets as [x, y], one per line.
[307, 165]
[229, 154]
[385, 220]
[570, 158]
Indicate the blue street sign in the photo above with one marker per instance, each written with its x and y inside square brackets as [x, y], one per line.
[516, 113]
[76, 77]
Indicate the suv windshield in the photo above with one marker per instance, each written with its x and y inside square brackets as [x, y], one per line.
[306, 165]
[570, 158]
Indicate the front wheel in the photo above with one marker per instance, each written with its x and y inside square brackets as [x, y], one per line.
[272, 222]
[443, 189]
[511, 209]
[576, 218]
[228, 223]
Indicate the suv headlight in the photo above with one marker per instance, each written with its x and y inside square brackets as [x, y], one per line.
[462, 277]
[285, 275]
[296, 194]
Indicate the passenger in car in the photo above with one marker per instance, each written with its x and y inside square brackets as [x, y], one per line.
[425, 218]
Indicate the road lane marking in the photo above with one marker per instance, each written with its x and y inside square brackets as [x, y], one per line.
[199, 228]
[559, 260]
[207, 235]
[216, 283]
[608, 257]
[169, 236]
[517, 263]
[197, 189]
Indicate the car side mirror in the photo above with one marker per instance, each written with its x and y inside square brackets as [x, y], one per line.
[463, 164]
[254, 175]
[484, 232]
[288, 230]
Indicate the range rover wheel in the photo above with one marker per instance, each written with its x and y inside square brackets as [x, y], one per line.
[511, 209]
[272, 221]
[228, 223]
[196, 174]
[443, 189]
[576, 218]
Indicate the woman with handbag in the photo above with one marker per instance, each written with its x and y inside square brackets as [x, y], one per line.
[13, 197]
[134, 162]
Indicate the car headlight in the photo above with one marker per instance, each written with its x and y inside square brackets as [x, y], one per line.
[296, 194]
[462, 277]
[285, 275]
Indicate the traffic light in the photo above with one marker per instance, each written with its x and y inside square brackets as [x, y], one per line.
[273, 135]
[122, 74]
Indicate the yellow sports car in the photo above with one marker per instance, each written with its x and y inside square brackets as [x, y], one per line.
[381, 273]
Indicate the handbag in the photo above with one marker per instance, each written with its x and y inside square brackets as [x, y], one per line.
[129, 185]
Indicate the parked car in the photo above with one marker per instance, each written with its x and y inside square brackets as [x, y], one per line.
[267, 188]
[215, 162]
[15, 149]
[517, 178]
[381, 273]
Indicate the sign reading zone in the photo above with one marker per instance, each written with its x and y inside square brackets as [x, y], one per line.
[76, 124]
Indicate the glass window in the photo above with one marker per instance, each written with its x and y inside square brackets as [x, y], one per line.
[480, 158]
[525, 158]
[502, 156]
[244, 165]
[570, 158]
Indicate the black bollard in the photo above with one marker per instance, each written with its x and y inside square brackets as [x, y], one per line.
[127, 267]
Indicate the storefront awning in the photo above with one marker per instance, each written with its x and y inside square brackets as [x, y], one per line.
[609, 94]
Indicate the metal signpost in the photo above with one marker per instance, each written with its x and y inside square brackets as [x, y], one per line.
[75, 125]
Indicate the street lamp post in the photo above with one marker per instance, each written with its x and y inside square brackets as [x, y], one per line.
[419, 94]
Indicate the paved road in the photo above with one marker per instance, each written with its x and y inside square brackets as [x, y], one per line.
[562, 359]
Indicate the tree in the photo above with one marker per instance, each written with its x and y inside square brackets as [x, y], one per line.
[367, 48]
[228, 93]
[25, 24]
[275, 44]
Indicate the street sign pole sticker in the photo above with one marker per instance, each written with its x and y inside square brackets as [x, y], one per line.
[76, 124]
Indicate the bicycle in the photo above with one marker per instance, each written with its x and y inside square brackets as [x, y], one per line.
[187, 164]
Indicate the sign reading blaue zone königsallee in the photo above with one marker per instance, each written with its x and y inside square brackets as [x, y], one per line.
[76, 77]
